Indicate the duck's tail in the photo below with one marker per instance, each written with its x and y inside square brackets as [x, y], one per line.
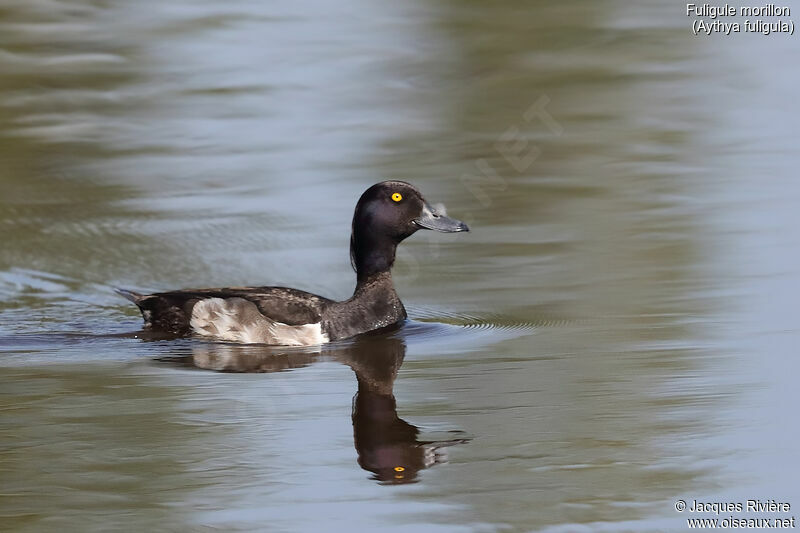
[134, 297]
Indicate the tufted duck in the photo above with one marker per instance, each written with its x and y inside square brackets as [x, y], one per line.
[386, 213]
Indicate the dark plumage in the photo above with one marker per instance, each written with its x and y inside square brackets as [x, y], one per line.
[386, 213]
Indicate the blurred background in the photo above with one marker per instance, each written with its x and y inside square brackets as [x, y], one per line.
[618, 330]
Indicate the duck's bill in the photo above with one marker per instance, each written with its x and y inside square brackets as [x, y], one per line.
[430, 219]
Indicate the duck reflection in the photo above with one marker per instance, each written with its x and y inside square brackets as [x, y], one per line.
[387, 445]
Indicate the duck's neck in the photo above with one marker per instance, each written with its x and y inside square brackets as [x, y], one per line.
[378, 282]
[372, 257]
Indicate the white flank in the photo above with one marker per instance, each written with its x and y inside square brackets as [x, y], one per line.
[239, 320]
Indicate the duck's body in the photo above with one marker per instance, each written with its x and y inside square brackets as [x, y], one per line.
[387, 213]
[271, 315]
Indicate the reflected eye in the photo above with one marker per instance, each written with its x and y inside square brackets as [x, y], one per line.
[399, 469]
[397, 197]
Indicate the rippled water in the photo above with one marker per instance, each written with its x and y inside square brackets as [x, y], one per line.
[617, 332]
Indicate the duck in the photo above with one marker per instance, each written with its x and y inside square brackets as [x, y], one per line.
[386, 214]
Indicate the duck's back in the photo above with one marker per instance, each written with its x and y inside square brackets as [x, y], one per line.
[270, 315]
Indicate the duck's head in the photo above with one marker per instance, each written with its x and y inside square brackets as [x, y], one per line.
[387, 213]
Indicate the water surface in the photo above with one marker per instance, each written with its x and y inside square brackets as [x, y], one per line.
[617, 332]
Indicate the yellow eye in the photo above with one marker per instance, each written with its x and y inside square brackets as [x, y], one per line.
[397, 197]
[399, 469]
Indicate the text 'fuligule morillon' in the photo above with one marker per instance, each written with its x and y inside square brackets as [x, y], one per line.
[727, 10]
